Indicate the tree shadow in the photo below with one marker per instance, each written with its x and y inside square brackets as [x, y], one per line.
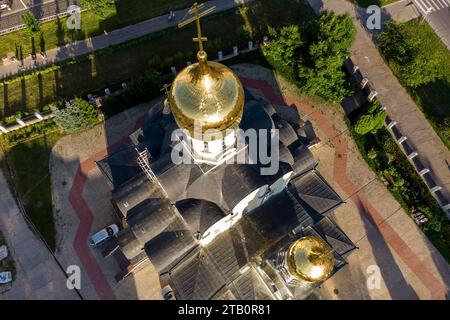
[42, 43]
[23, 87]
[398, 287]
[41, 89]
[6, 107]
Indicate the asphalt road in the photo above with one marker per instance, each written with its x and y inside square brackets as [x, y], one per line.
[437, 14]
[41, 8]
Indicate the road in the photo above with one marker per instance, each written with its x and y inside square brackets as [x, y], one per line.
[113, 38]
[38, 275]
[437, 14]
[41, 9]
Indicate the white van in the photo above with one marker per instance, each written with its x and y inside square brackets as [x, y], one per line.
[101, 236]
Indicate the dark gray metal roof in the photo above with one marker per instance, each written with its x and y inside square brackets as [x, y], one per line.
[135, 191]
[196, 277]
[334, 235]
[256, 117]
[315, 192]
[287, 134]
[199, 214]
[276, 217]
[120, 166]
[303, 159]
[129, 244]
[225, 185]
[150, 217]
[171, 244]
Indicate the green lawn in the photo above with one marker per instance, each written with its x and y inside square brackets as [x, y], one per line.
[55, 33]
[32, 182]
[174, 46]
[433, 98]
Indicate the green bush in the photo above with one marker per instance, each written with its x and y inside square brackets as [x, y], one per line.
[76, 117]
[372, 154]
[139, 90]
[371, 120]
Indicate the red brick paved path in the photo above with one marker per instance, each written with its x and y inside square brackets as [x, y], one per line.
[401, 248]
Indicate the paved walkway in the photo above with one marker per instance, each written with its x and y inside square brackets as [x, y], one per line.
[400, 106]
[38, 275]
[112, 38]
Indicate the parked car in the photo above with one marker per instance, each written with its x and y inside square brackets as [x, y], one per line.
[101, 236]
[167, 293]
[5, 277]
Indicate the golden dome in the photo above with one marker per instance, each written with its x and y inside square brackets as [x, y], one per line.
[310, 259]
[207, 92]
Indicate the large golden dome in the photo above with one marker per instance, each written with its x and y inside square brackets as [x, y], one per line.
[310, 259]
[207, 92]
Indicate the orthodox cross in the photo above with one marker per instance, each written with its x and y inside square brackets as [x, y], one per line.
[166, 88]
[195, 10]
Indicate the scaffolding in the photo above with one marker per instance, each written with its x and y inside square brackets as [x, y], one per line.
[143, 162]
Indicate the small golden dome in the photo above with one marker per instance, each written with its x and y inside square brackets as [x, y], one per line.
[310, 259]
[207, 92]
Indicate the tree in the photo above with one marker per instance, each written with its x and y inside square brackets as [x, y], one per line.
[313, 54]
[32, 24]
[321, 71]
[100, 7]
[33, 27]
[283, 49]
[76, 117]
[144, 88]
[372, 120]
[337, 31]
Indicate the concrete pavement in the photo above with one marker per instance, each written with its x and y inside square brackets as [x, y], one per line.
[112, 38]
[401, 11]
[38, 275]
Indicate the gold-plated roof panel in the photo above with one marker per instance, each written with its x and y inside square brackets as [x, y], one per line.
[310, 259]
[207, 92]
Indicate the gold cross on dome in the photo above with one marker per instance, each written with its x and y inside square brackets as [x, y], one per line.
[197, 15]
[166, 88]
